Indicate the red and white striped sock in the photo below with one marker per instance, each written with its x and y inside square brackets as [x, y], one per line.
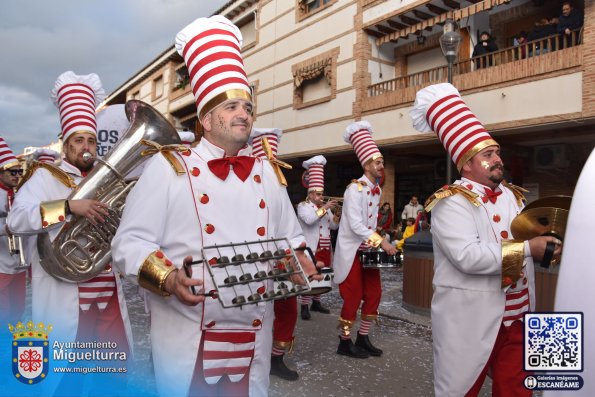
[316, 298]
[277, 351]
[306, 300]
[364, 327]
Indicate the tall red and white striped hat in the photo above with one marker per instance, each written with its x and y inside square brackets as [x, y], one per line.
[273, 136]
[359, 134]
[7, 157]
[315, 167]
[440, 108]
[211, 48]
[187, 137]
[44, 155]
[76, 98]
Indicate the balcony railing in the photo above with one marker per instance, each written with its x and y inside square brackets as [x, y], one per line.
[436, 75]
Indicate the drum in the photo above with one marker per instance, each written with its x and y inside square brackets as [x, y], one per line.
[377, 258]
[323, 286]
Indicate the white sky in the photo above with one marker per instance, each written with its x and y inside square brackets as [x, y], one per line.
[113, 38]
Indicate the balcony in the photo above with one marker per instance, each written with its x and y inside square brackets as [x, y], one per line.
[538, 59]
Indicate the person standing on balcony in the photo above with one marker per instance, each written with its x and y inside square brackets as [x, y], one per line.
[569, 21]
[483, 281]
[485, 46]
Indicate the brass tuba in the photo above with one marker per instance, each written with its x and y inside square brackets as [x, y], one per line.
[82, 250]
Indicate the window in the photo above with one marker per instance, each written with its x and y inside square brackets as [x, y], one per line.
[306, 8]
[314, 80]
[182, 77]
[157, 87]
[136, 95]
[248, 28]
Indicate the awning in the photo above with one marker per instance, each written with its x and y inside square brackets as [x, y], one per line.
[456, 15]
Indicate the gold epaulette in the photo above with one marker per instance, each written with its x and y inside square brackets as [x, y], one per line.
[360, 184]
[451, 190]
[519, 192]
[168, 153]
[56, 172]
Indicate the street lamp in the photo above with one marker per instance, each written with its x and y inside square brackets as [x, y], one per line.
[449, 42]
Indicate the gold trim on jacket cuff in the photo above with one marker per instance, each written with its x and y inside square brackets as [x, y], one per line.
[374, 240]
[320, 212]
[513, 258]
[52, 212]
[154, 271]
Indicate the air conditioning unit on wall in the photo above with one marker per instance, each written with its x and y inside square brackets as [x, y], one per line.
[550, 157]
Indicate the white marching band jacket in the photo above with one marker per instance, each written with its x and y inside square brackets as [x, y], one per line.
[468, 302]
[358, 223]
[179, 215]
[313, 226]
[53, 302]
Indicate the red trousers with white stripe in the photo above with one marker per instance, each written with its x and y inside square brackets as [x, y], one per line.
[12, 297]
[324, 256]
[285, 319]
[360, 285]
[505, 365]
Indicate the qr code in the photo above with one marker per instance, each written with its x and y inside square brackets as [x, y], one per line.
[554, 342]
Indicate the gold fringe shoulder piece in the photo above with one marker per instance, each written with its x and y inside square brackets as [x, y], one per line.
[167, 151]
[360, 184]
[519, 192]
[275, 162]
[451, 190]
[56, 172]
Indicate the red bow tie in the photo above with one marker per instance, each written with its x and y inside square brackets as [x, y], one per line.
[375, 190]
[242, 166]
[492, 195]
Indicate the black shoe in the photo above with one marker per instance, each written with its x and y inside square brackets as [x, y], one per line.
[278, 368]
[347, 348]
[316, 306]
[305, 312]
[364, 342]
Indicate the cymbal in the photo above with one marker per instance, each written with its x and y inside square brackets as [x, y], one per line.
[543, 221]
[562, 202]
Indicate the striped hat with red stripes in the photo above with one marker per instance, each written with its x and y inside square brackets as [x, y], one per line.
[273, 136]
[211, 50]
[440, 108]
[76, 98]
[359, 134]
[44, 155]
[315, 167]
[7, 157]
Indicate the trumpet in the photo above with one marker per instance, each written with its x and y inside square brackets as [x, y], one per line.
[15, 243]
[339, 200]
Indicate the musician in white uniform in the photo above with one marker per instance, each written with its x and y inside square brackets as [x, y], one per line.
[220, 196]
[94, 310]
[357, 231]
[317, 220]
[574, 291]
[12, 280]
[483, 280]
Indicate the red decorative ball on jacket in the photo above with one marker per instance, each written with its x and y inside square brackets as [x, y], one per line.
[262, 204]
[261, 231]
[209, 228]
[204, 199]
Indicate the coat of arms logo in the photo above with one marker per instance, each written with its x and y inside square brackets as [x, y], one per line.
[30, 351]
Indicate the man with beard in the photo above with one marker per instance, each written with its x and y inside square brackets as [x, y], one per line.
[220, 195]
[94, 310]
[483, 280]
[357, 231]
